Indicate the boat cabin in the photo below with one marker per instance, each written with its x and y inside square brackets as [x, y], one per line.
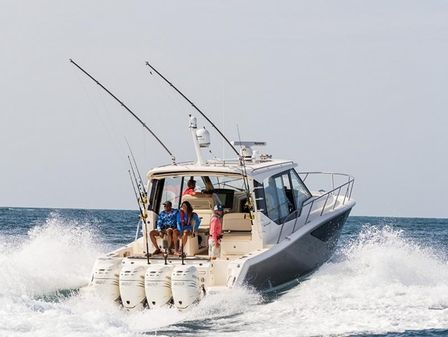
[277, 192]
[211, 189]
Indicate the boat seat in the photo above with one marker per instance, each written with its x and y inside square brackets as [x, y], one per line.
[191, 246]
[205, 215]
[236, 234]
[203, 205]
[199, 201]
[236, 223]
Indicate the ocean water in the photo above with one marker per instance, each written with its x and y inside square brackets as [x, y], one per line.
[389, 277]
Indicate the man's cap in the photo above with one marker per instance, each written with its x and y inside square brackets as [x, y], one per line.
[167, 203]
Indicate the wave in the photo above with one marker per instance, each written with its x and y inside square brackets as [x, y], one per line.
[39, 269]
[86, 315]
[58, 254]
[382, 282]
[206, 316]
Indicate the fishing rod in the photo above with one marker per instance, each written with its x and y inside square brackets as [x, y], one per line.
[143, 216]
[193, 105]
[140, 188]
[242, 164]
[141, 184]
[173, 158]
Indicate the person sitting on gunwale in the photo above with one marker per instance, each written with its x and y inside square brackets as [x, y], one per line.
[166, 225]
[187, 222]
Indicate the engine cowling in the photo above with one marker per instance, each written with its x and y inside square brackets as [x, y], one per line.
[158, 285]
[185, 286]
[105, 277]
[132, 286]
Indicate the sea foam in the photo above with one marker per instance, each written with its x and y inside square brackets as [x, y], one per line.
[59, 255]
[56, 255]
[381, 282]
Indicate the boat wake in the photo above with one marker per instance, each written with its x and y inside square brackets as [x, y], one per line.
[43, 270]
[380, 282]
[53, 256]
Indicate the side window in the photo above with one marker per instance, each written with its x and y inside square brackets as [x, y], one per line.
[154, 194]
[200, 186]
[283, 202]
[277, 204]
[300, 191]
[171, 191]
[260, 197]
[283, 194]
[288, 192]
[271, 199]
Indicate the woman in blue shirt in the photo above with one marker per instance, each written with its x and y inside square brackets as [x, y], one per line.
[187, 222]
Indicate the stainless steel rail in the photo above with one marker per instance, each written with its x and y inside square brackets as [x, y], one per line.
[346, 188]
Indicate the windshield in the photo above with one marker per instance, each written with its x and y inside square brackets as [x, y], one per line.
[227, 191]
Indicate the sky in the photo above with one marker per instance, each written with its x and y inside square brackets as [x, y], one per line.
[339, 86]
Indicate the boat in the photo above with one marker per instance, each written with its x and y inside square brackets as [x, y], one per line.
[278, 225]
[288, 231]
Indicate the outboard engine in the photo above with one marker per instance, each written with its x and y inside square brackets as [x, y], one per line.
[132, 285]
[105, 277]
[185, 286]
[158, 285]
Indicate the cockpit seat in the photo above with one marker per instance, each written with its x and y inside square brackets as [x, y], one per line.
[236, 234]
[236, 223]
[199, 201]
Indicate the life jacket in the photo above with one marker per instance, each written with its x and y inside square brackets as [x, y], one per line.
[189, 191]
[185, 220]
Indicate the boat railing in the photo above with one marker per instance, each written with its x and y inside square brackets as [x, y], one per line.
[340, 185]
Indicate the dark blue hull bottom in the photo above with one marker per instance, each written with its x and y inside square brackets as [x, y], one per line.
[299, 258]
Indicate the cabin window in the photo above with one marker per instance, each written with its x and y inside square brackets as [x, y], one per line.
[230, 192]
[227, 191]
[277, 203]
[284, 193]
[171, 191]
[227, 182]
[154, 190]
[300, 191]
[200, 183]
